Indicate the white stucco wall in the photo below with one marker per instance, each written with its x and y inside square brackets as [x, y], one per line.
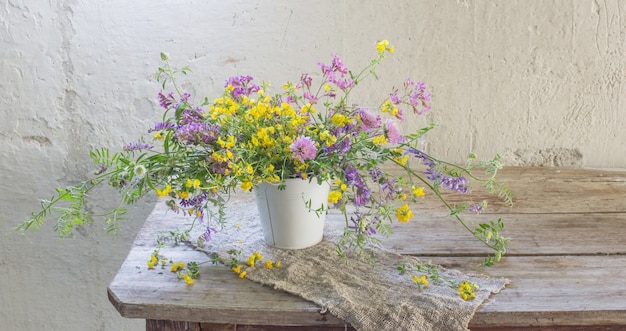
[540, 81]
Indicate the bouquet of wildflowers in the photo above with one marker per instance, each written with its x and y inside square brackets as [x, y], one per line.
[249, 135]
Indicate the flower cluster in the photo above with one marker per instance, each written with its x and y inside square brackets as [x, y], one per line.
[185, 271]
[310, 129]
[239, 268]
[466, 290]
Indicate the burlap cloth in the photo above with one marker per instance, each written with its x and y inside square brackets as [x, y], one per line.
[369, 296]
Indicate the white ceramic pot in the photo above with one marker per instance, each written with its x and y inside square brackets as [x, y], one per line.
[288, 216]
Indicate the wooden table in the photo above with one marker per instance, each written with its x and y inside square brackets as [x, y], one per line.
[566, 263]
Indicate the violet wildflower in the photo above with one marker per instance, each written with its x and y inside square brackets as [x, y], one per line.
[137, 146]
[361, 224]
[100, 169]
[166, 101]
[306, 80]
[362, 196]
[478, 208]
[311, 98]
[242, 86]
[330, 73]
[197, 133]
[389, 189]
[418, 97]
[206, 236]
[303, 148]
[353, 178]
[191, 115]
[395, 99]
[457, 184]
[159, 126]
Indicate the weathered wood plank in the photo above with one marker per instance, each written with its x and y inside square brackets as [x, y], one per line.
[549, 190]
[532, 234]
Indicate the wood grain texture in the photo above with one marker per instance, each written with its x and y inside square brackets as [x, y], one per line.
[566, 262]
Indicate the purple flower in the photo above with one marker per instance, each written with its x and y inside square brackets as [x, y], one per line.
[393, 134]
[395, 99]
[242, 86]
[166, 101]
[456, 184]
[306, 80]
[389, 189]
[330, 73]
[362, 226]
[311, 98]
[197, 133]
[353, 178]
[452, 183]
[207, 234]
[162, 126]
[477, 208]
[100, 169]
[418, 97]
[303, 148]
[137, 146]
[369, 119]
[362, 196]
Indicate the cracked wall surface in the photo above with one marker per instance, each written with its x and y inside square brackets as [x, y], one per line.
[540, 81]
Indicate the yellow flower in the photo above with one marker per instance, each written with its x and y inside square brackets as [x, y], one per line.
[404, 213]
[249, 169]
[334, 196]
[237, 269]
[379, 140]
[268, 264]
[183, 194]
[164, 192]
[330, 139]
[242, 275]
[188, 279]
[418, 191]
[402, 160]
[381, 46]
[257, 256]
[277, 264]
[421, 281]
[339, 120]
[466, 290]
[308, 108]
[389, 107]
[153, 262]
[246, 186]
[158, 135]
[251, 260]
